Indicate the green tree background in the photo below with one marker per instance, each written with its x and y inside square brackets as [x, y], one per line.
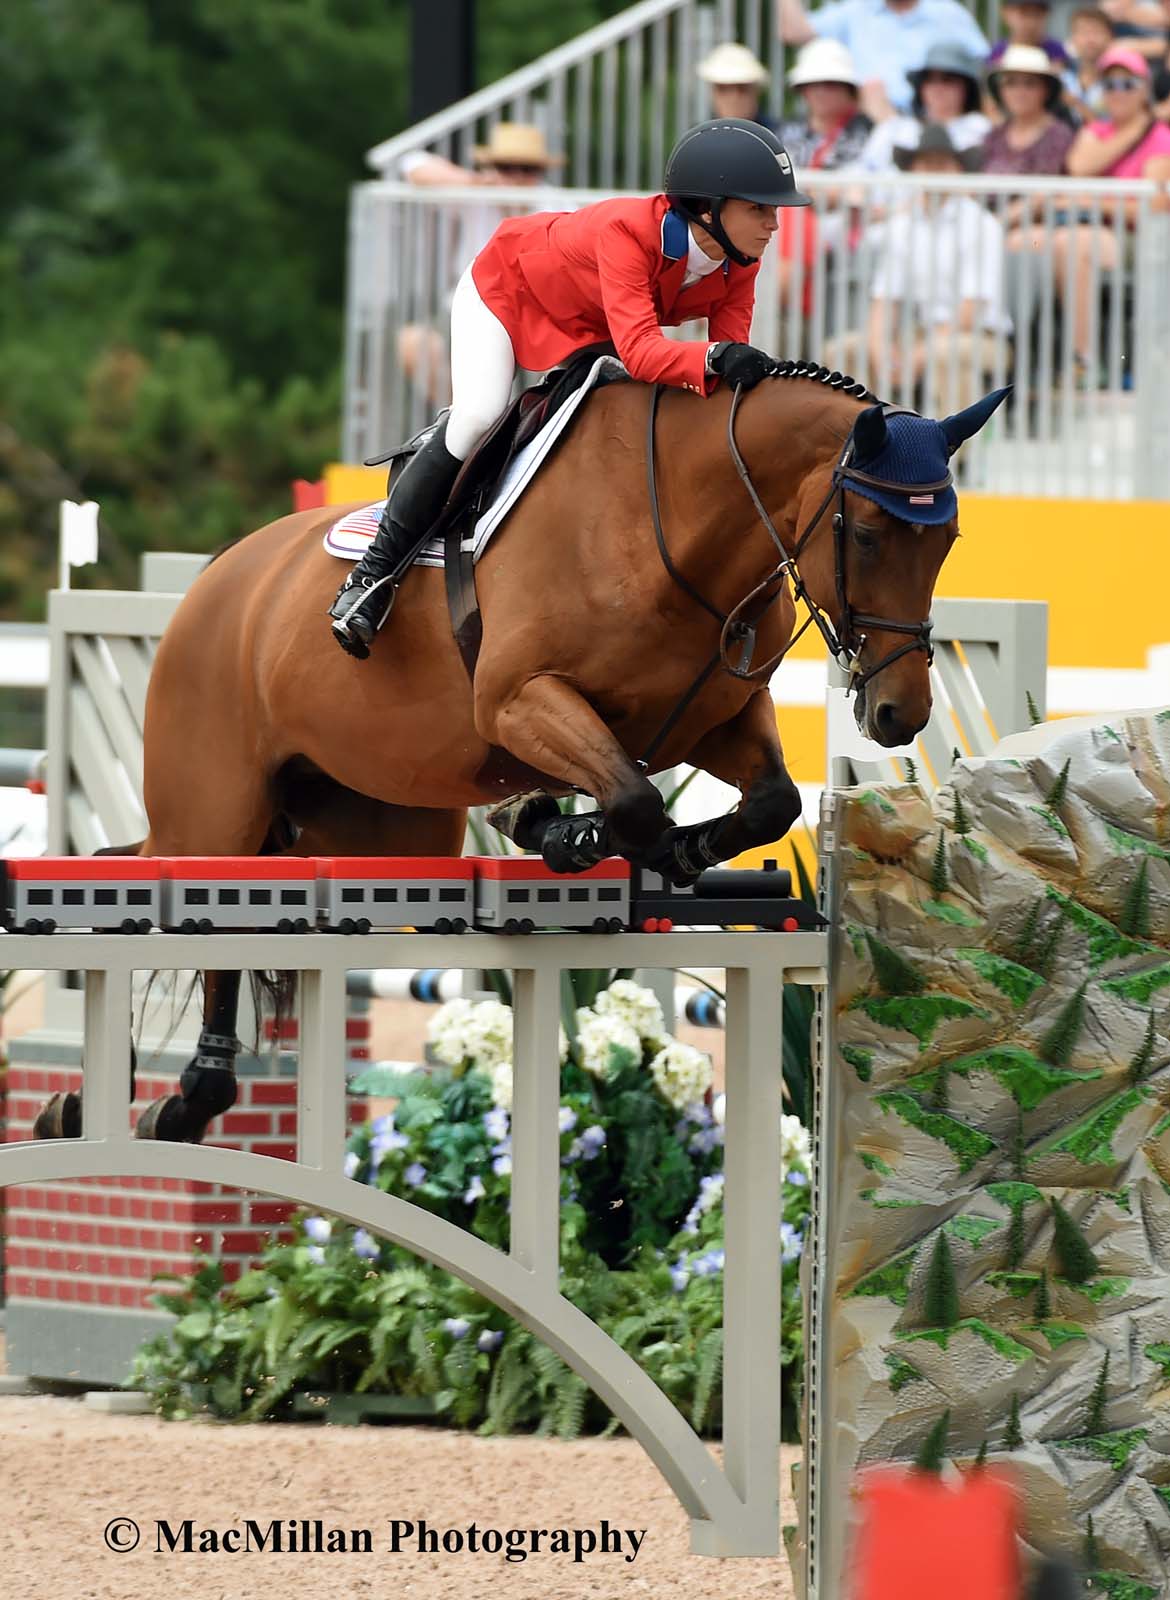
[172, 253]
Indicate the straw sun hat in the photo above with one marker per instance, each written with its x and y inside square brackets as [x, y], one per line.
[516, 144]
[732, 63]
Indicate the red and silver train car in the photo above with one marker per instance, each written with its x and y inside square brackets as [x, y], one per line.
[357, 893]
[108, 893]
[518, 894]
[202, 893]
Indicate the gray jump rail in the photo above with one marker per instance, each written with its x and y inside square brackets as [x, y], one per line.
[734, 1511]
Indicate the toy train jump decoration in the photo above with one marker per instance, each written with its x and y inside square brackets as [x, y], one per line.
[363, 894]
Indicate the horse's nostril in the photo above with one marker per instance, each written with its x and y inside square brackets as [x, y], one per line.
[886, 719]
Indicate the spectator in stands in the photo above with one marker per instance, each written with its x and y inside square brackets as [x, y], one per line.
[737, 78]
[1032, 138]
[1141, 24]
[832, 132]
[946, 260]
[947, 92]
[1128, 143]
[1090, 33]
[515, 155]
[1026, 22]
[891, 38]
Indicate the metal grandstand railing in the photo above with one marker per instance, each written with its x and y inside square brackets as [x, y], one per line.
[1095, 428]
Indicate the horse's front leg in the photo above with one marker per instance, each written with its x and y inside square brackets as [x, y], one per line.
[550, 726]
[745, 751]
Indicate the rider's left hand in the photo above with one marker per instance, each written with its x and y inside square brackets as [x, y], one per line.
[740, 365]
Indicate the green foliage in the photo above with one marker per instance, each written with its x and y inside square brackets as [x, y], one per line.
[939, 877]
[1043, 1302]
[1098, 1400]
[961, 823]
[932, 1455]
[1015, 1237]
[1058, 1043]
[1135, 911]
[1046, 956]
[1054, 799]
[1027, 938]
[940, 1306]
[1077, 1262]
[1140, 1064]
[1092, 1553]
[1013, 1434]
[895, 975]
[1034, 716]
[980, 1460]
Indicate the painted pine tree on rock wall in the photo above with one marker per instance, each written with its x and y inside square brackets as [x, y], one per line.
[1001, 1052]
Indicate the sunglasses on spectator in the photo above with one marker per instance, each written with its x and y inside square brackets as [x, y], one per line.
[1121, 85]
[509, 169]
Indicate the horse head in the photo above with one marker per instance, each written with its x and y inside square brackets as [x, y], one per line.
[894, 518]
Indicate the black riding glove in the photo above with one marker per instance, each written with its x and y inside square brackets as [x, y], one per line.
[741, 365]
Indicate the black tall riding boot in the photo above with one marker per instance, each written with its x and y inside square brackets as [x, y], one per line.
[364, 600]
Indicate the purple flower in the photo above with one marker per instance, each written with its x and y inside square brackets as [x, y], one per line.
[474, 1191]
[457, 1327]
[490, 1339]
[415, 1174]
[318, 1229]
[365, 1245]
[592, 1141]
[316, 1255]
[495, 1123]
[502, 1166]
[679, 1278]
[797, 1178]
[791, 1243]
[568, 1119]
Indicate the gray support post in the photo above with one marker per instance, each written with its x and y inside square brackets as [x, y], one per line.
[1152, 357]
[106, 1097]
[751, 1272]
[536, 1106]
[321, 1073]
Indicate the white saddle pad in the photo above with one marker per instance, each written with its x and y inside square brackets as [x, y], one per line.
[349, 538]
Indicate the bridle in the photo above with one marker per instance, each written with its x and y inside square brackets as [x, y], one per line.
[738, 626]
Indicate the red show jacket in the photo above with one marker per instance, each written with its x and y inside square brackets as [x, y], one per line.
[561, 280]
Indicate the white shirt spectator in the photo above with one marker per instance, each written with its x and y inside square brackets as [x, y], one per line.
[877, 154]
[938, 261]
[892, 43]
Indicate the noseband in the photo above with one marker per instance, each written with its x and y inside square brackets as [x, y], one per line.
[738, 626]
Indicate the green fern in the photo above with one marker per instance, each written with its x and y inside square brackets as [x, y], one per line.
[1140, 1064]
[1058, 1043]
[1077, 1262]
[1134, 919]
[939, 877]
[895, 975]
[1098, 1400]
[710, 1370]
[1023, 947]
[1054, 799]
[1013, 1436]
[961, 823]
[933, 1452]
[1034, 716]
[940, 1306]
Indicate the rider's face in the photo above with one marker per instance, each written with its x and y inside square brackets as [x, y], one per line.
[749, 226]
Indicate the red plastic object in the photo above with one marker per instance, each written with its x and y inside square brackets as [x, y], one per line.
[520, 869]
[217, 869]
[397, 867]
[60, 869]
[922, 1538]
[308, 496]
[650, 925]
[790, 925]
[665, 924]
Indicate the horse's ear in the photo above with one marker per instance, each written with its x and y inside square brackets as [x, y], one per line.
[964, 424]
[869, 433]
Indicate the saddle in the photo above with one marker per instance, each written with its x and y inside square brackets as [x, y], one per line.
[483, 473]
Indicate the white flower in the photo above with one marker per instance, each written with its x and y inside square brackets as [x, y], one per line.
[474, 1190]
[795, 1150]
[318, 1229]
[352, 1162]
[631, 1002]
[316, 1255]
[567, 1118]
[487, 1034]
[682, 1073]
[501, 1076]
[606, 1043]
[710, 1192]
[495, 1123]
[447, 1031]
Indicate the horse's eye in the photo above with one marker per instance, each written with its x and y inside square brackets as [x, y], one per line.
[865, 540]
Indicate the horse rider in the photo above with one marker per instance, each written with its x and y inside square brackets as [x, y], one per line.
[551, 283]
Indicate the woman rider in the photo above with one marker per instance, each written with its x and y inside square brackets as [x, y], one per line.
[551, 283]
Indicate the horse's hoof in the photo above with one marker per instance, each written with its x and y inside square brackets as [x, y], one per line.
[169, 1118]
[59, 1118]
[524, 818]
[573, 844]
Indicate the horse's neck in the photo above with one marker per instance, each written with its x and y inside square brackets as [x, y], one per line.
[789, 434]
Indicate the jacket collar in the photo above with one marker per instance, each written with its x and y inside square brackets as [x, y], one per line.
[676, 239]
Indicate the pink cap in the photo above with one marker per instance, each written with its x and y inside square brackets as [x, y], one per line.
[1119, 55]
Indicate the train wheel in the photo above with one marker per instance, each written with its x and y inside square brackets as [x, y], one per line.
[459, 925]
[363, 925]
[346, 925]
[143, 925]
[650, 925]
[600, 925]
[442, 924]
[206, 925]
[301, 925]
[616, 924]
[49, 925]
[511, 925]
[187, 925]
[284, 925]
[32, 926]
[527, 925]
[127, 925]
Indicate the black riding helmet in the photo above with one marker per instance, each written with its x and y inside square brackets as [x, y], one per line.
[729, 159]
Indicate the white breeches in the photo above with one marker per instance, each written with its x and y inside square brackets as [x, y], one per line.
[482, 369]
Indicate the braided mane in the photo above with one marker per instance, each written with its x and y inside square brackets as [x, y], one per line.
[833, 380]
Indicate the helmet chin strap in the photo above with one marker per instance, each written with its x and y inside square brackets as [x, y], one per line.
[719, 233]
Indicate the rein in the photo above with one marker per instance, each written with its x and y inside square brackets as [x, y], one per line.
[738, 626]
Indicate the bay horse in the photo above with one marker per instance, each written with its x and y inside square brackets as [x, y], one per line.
[598, 664]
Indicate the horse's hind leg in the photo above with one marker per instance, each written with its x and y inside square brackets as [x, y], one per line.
[551, 727]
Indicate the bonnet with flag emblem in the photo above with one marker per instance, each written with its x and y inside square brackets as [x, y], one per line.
[900, 459]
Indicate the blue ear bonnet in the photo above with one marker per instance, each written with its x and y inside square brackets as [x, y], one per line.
[914, 453]
[902, 448]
